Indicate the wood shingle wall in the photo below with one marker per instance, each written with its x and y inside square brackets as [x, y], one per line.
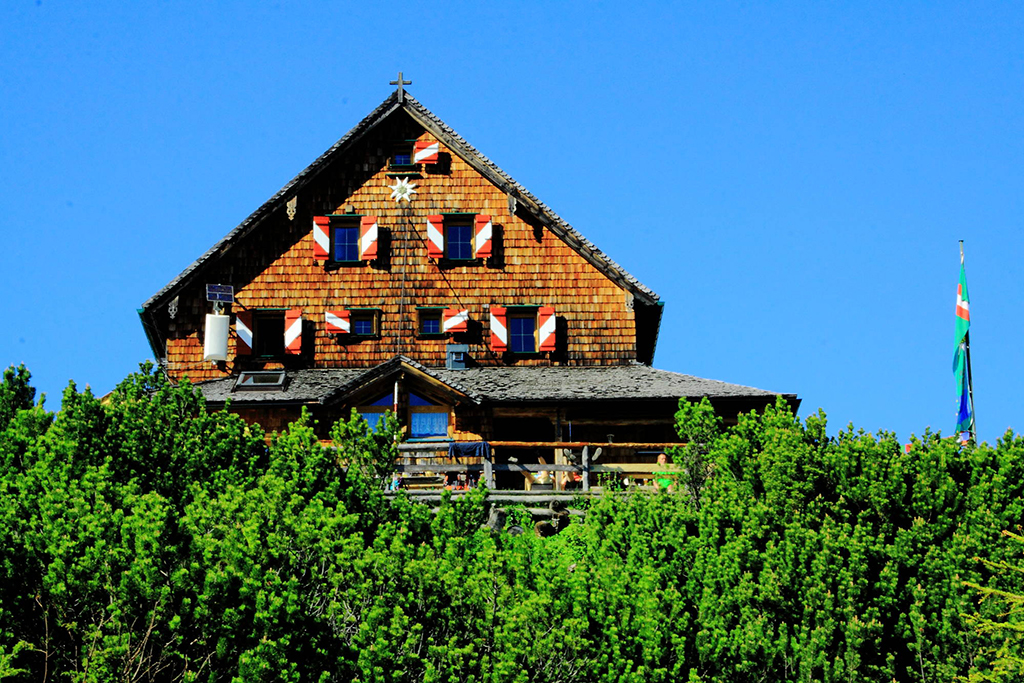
[273, 267]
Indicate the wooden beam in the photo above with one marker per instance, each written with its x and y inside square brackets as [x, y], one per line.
[581, 444]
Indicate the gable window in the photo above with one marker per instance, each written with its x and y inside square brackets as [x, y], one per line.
[429, 322]
[365, 322]
[345, 240]
[409, 155]
[438, 322]
[458, 239]
[348, 239]
[268, 334]
[522, 331]
[459, 236]
[426, 418]
[373, 412]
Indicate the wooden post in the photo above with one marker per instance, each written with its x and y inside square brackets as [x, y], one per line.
[489, 470]
[586, 468]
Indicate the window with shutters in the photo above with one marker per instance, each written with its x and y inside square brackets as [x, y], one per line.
[409, 155]
[522, 331]
[365, 322]
[345, 239]
[268, 334]
[429, 322]
[459, 238]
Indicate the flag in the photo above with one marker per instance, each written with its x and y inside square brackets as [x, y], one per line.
[964, 420]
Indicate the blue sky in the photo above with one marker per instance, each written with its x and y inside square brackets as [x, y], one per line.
[791, 178]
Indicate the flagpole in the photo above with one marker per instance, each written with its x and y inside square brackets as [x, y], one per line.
[970, 381]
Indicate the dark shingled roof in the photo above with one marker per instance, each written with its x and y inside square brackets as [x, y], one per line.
[454, 142]
[498, 384]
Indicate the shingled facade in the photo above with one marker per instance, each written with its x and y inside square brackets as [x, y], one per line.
[403, 270]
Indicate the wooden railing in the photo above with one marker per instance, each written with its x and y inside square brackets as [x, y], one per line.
[422, 472]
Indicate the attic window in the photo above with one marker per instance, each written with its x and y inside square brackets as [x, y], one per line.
[260, 380]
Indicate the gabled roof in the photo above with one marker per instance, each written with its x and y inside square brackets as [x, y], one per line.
[328, 385]
[494, 385]
[454, 142]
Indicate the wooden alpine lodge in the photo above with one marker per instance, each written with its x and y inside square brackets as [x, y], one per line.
[404, 271]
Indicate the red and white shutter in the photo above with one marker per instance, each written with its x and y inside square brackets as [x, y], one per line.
[482, 243]
[425, 152]
[455, 320]
[338, 322]
[546, 328]
[321, 238]
[499, 328]
[435, 236]
[293, 331]
[243, 330]
[367, 238]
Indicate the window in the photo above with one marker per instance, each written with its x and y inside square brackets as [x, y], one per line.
[373, 412]
[402, 159]
[365, 322]
[429, 323]
[459, 236]
[458, 239]
[522, 327]
[268, 334]
[260, 380]
[345, 239]
[427, 419]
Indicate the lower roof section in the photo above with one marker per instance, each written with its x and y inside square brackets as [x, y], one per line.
[493, 385]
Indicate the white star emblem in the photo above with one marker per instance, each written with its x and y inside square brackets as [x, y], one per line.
[402, 190]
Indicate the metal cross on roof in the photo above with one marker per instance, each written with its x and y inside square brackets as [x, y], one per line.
[400, 83]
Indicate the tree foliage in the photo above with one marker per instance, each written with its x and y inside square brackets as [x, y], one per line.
[144, 538]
